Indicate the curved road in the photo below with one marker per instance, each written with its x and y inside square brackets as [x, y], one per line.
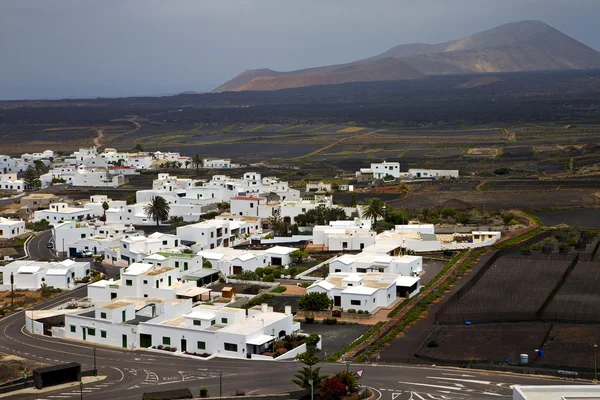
[37, 248]
[131, 373]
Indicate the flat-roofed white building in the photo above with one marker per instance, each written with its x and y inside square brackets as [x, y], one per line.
[385, 168]
[10, 182]
[365, 292]
[134, 249]
[344, 235]
[62, 212]
[371, 262]
[418, 173]
[556, 392]
[10, 228]
[31, 275]
[232, 261]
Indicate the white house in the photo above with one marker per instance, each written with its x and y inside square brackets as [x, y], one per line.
[10, 228]
[344, 235]
[365, 292]
[418, 173]
[95, 236]
[83, 176]
[7, 164]
[10, 181]
[232, 261]
[383, 169]
[142, 280]
[370, 262]
[218, 163]
[135, 248]
[220, 232]
[62, 212]
[31, 275]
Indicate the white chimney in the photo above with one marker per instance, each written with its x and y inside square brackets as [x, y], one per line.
[288, 310]
[264, 307]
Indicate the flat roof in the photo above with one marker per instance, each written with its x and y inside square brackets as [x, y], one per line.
[558, 392]
[157, 271]
[114, 306]
[260, 340]
[407, 281]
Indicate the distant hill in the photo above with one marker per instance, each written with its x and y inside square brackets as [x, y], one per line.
[516, 47]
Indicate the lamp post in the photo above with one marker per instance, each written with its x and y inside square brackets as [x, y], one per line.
[347, 366]
[595, 362]
[312, 389]
[95, 370]
[273, 334]
[81, 389]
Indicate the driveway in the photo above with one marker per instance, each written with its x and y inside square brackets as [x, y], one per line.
[335, 337]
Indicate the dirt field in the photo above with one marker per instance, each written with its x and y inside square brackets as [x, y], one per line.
[570, 345]
[494, 342]
[12, 367]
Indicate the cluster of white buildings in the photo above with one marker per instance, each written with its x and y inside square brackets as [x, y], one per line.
[387, 170]
[31, 275]
[10, 182]
[9, 164]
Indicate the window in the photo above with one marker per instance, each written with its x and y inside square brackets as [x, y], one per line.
[374, 299]
[213, 322]
[201, 345]
[166, 340]
[145, 281]
[231, 347]
[103, 315]
[83, 235]
[197, 322]
[103, 334]
[251, 205]
[164, 242]
[361, 270]
[355, 302]
[185, 266]
[91, 331]
[223, 320]
[73, 328]
[176, 264]
[128, 282]
[123, 315]
[388, 297]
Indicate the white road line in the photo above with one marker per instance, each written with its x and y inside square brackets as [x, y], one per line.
[428, 385]
[461, 375]
[461, 380]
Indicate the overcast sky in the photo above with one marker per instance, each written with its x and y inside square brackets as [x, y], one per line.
[89, 48]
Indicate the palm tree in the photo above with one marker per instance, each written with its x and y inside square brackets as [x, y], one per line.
[373, 208]
[105, 207]
[197, 161]
[157, 209]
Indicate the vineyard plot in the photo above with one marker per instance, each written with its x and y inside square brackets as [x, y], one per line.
[512, 289]
[578, 299]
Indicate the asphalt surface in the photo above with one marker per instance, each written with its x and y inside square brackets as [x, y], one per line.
[37, 248]
[132, 373]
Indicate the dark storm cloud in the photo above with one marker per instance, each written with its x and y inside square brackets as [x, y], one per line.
[57, 48]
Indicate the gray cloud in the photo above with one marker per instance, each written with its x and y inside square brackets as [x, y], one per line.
[62, 48]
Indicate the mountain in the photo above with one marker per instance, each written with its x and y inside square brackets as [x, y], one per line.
[515, 47]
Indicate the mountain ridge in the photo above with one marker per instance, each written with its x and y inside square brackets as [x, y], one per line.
[515, 47]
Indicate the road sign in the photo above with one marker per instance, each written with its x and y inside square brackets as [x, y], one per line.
[360, 373]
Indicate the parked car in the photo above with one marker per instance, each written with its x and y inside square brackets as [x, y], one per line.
[82, 254]
[50, 245]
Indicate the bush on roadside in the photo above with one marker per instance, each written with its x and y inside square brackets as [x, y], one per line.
[330, 321]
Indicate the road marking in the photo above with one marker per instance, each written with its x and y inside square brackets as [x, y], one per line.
[428, 385]
[461, 375]
[461, 380]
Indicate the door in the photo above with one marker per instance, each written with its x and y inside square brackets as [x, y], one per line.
[145, 340]
[237, 270]
[183, 345]
[83, 330]
[337, 301]
[124, 341]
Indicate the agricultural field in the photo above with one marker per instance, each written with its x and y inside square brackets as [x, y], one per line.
[485, 342]
[498, 295]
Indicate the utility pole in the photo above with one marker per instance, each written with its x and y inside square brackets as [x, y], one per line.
[220, 383]
[95, 370]
[81, 389]
[595, 363]
[12, 290]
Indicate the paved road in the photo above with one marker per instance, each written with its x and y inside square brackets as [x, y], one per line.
[37, 247]
[131, 373]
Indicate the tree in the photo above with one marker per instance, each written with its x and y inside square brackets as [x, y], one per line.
[105, 207]
[30, 178]
[373, 208]
[298, 255]
[187, 163]
[40, 167]
[309, 359]
[138, 147]
[353, 200]
[277, 224]
[507, 217]
[349, 379]
[463, 217]
[158, 209]
[314, 301]
[197, 161]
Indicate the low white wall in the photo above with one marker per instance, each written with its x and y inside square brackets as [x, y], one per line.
[290, 355]
[58, 332]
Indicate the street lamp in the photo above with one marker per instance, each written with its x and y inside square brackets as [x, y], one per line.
[81, 389]
[595, 362]
[312, 389]
[273, 334]
[347, 366]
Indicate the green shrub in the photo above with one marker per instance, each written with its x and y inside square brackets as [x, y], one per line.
[432, 344]
[279, 289]
[309, 320]
[330, 321]
[277, 274]
[259, 272]
[314, 302]
[203, 392]
[351, 311]
[268, 278]
[268, 271]
[360, 311]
